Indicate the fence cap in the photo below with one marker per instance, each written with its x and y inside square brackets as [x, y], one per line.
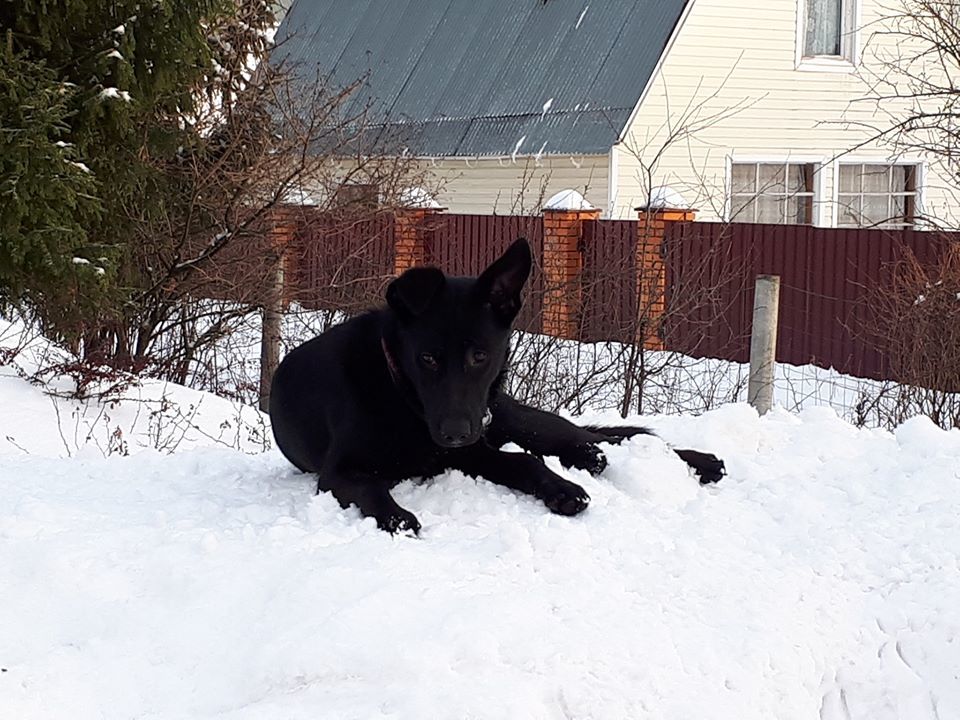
[666, 199]
[418, 198]
[568, 200]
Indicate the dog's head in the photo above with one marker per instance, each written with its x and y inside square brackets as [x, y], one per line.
[451, 337]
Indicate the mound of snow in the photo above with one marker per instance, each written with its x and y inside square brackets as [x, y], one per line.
[41, 420]
[818, 580]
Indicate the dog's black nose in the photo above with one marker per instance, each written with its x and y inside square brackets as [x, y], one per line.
[455, 432]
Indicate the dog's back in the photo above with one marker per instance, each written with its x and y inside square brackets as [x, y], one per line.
[323, 381]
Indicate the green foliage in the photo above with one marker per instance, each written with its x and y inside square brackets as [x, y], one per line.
[117, 84]
[47, 196]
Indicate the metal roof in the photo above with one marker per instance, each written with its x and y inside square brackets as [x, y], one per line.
[486, 77]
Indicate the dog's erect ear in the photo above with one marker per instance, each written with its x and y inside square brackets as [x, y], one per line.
[411, 293]
[502, 283]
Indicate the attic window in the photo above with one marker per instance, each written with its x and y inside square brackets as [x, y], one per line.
[828, 30]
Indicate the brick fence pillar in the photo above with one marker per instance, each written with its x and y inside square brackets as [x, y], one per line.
[284, 222]
[410, 248]
[652, 224]
[562, 264]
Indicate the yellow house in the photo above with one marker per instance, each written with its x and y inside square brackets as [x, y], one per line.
[754, 112]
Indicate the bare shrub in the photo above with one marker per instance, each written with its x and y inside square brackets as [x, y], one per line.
[917, 326]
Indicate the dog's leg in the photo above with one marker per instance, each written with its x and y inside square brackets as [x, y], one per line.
[522, 472]
[371, 497]
[543, 433]
[709, 468]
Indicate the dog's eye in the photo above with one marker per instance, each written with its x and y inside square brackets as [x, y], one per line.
[429, 360]
[478, 357]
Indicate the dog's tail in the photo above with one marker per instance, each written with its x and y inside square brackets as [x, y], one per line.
[709, 468]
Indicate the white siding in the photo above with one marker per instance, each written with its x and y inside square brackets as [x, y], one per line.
[729, 89]
[514, 187]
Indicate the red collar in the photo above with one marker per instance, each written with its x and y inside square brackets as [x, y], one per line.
[400, 382]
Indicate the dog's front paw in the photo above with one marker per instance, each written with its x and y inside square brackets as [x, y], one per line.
[398, 520]
[584, 457]
[709, 468]
[564, 497]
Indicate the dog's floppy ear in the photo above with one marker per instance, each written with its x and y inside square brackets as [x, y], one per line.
[502, 283]
[411, 293]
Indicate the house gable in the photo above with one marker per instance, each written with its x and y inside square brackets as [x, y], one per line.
[734, 89]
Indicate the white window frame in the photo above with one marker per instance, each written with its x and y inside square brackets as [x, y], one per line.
[849, 58]
[819, 163]
[921, 183]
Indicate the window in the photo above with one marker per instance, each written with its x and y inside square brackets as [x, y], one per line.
[772, 193]
[828, 30]
[874, 195]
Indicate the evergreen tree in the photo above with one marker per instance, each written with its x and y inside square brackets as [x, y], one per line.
[116, 83]
[47, 196]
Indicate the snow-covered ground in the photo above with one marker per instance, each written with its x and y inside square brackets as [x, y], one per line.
[819, 580]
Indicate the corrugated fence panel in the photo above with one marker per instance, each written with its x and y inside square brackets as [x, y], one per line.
[341, 263]
[610, 308]
[466, 244]
[826, 275]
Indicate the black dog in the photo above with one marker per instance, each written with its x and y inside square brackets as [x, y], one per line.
[414, 388]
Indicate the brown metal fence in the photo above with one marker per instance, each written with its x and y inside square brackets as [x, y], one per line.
[827, 278]
[341, 263]
[609, 306]
[466, 244]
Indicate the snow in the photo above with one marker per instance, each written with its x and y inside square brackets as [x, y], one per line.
[539, 154]
[112, 93]
[190, 579]
[546, 107]
[580, 18]
[115, 54]
[80, 166]
[665, 197]
[567, 200]
[516, 148]
[39, 421]
[83, 261]
[418, 197]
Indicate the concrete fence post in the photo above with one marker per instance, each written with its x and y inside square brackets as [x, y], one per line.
[282, 227]
[562, 265]
[763, 342]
